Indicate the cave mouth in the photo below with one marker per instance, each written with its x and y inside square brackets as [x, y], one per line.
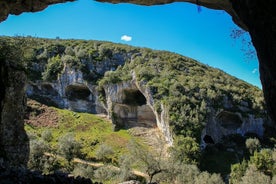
[77, 92]
[134, 97]
[229, 120]
[208, 139]
[48, 89]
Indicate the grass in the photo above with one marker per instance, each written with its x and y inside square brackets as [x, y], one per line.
[89, 129]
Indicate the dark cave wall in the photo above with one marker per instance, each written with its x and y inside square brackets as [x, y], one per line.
[14, 141]
[260, 18]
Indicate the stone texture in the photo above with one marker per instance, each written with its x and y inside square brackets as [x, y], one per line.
[133, 114]
[224, 123]
[14, 142]
[259, 19]
[256, 16]
[17, 7]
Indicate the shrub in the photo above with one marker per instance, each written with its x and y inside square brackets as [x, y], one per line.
[68, 146]
[37, 156]
[186, 150]
[53, 68]
[252, 144]
[252, 175]
[104, 153]
[47, 135]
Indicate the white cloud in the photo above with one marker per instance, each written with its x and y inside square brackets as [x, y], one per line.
[255, 70]
[126, 38]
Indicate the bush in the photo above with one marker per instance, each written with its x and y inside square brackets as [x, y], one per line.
[83, 171]
[252, 144]
[53, 68]
[69, 147]
[207, 178]
[104, 153]
[237, 172]
[252, 175]
[186, 150]
[37, 156]
[105, 173]
[47, 135]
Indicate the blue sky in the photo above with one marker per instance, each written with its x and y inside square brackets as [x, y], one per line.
[177, 27]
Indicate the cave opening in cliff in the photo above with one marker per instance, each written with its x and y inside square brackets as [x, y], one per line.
[48, 89]
[77, 92]
[229, 120]
[134, 97]
[134, 111]
[208, 139]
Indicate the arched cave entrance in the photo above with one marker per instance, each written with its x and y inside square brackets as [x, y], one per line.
[44, 93]
[134, 97]
[134, 111]
[80, 98]
[229, 120]
[78, 92]
[208, 139]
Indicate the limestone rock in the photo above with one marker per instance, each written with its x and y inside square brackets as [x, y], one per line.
[14, 141]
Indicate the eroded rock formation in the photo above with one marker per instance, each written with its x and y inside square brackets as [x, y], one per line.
[256, 16]
[259, 19]
[138, 110]
[19, 6]
[14, 141]
[224, 123]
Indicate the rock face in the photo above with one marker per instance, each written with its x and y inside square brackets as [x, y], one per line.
[19, 6]
[13, 138]
[225, 123]
[131, 104]
[258, 17]
[70, 91]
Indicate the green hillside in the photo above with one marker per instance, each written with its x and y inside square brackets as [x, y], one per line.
[191, 93]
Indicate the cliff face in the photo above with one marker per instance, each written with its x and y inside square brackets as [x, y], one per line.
[131, 95]
[131, 104]
[161, 93]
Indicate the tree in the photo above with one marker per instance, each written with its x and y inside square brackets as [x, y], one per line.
[252, 175]
[207, 178]
[152, 164]
[104, 153]
[185, 150]
[47, 135]
[37, 157]
[263, 161]
[69, 147]
[252, 144]
[237, 172]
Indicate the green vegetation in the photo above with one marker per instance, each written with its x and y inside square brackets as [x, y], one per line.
[84, 132]
[188, 90]
[261, 168]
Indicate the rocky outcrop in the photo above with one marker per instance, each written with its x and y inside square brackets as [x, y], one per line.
[14, 141]
[232, 119]
[224, 123]
[70, 91]
[19, 6]
[258, 17]
[131, 104]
